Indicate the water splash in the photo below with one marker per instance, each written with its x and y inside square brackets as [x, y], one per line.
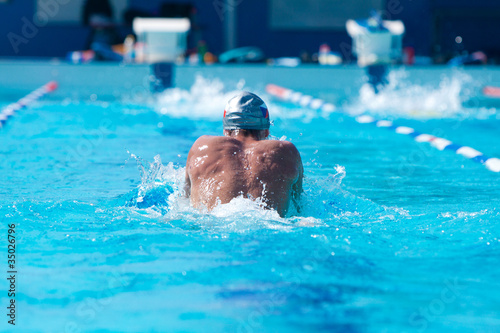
[161, 191]
[452, 97]
[403, 98]
[205, 100]
[160, 186]
[325, 198]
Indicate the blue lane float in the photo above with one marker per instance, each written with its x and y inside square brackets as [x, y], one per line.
[11, 109]
[307, 101]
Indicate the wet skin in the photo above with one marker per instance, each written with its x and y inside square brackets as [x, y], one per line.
[220, 168]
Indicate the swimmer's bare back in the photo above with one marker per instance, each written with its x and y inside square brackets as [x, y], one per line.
[221, 168]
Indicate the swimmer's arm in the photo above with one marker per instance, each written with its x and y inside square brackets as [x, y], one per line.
[297, 187]
[196, 145]
[187, 185]
[187, 179]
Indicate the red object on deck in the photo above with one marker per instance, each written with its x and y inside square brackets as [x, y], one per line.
[409, 55]
[491, 91]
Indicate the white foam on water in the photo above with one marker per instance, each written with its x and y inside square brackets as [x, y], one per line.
[207, 98]
[401, 98]
[161, 192]
[404, 98]
[463, 215]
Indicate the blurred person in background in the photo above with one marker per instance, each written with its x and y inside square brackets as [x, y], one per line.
[98, 15]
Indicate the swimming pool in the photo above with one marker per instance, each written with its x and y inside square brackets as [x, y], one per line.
[396, 235]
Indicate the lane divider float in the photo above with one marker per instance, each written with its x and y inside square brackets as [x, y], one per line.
[306, 101]
[491, 91]
[11, 109]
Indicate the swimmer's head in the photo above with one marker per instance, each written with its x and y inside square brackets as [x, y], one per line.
[246, 111]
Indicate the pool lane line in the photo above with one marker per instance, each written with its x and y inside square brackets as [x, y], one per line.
[306, 101]
[11, 109]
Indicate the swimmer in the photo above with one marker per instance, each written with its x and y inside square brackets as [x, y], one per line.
[243, 162]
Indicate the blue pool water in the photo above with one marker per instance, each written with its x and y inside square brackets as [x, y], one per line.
[396, 236]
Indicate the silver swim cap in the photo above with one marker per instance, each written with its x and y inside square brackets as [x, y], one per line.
[246, 111]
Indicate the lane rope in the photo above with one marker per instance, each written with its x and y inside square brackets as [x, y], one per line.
[11, 109]
[307, 101]
[491, 91]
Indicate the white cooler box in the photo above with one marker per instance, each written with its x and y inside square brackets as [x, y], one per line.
[161, 39]
[379, 46]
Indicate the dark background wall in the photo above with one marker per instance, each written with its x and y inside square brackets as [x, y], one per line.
[431, 28]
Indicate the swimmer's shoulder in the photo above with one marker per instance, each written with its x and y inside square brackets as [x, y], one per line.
[201, 144]
[213, 139]
[211, 143]
[281, 147]
[205, 140]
